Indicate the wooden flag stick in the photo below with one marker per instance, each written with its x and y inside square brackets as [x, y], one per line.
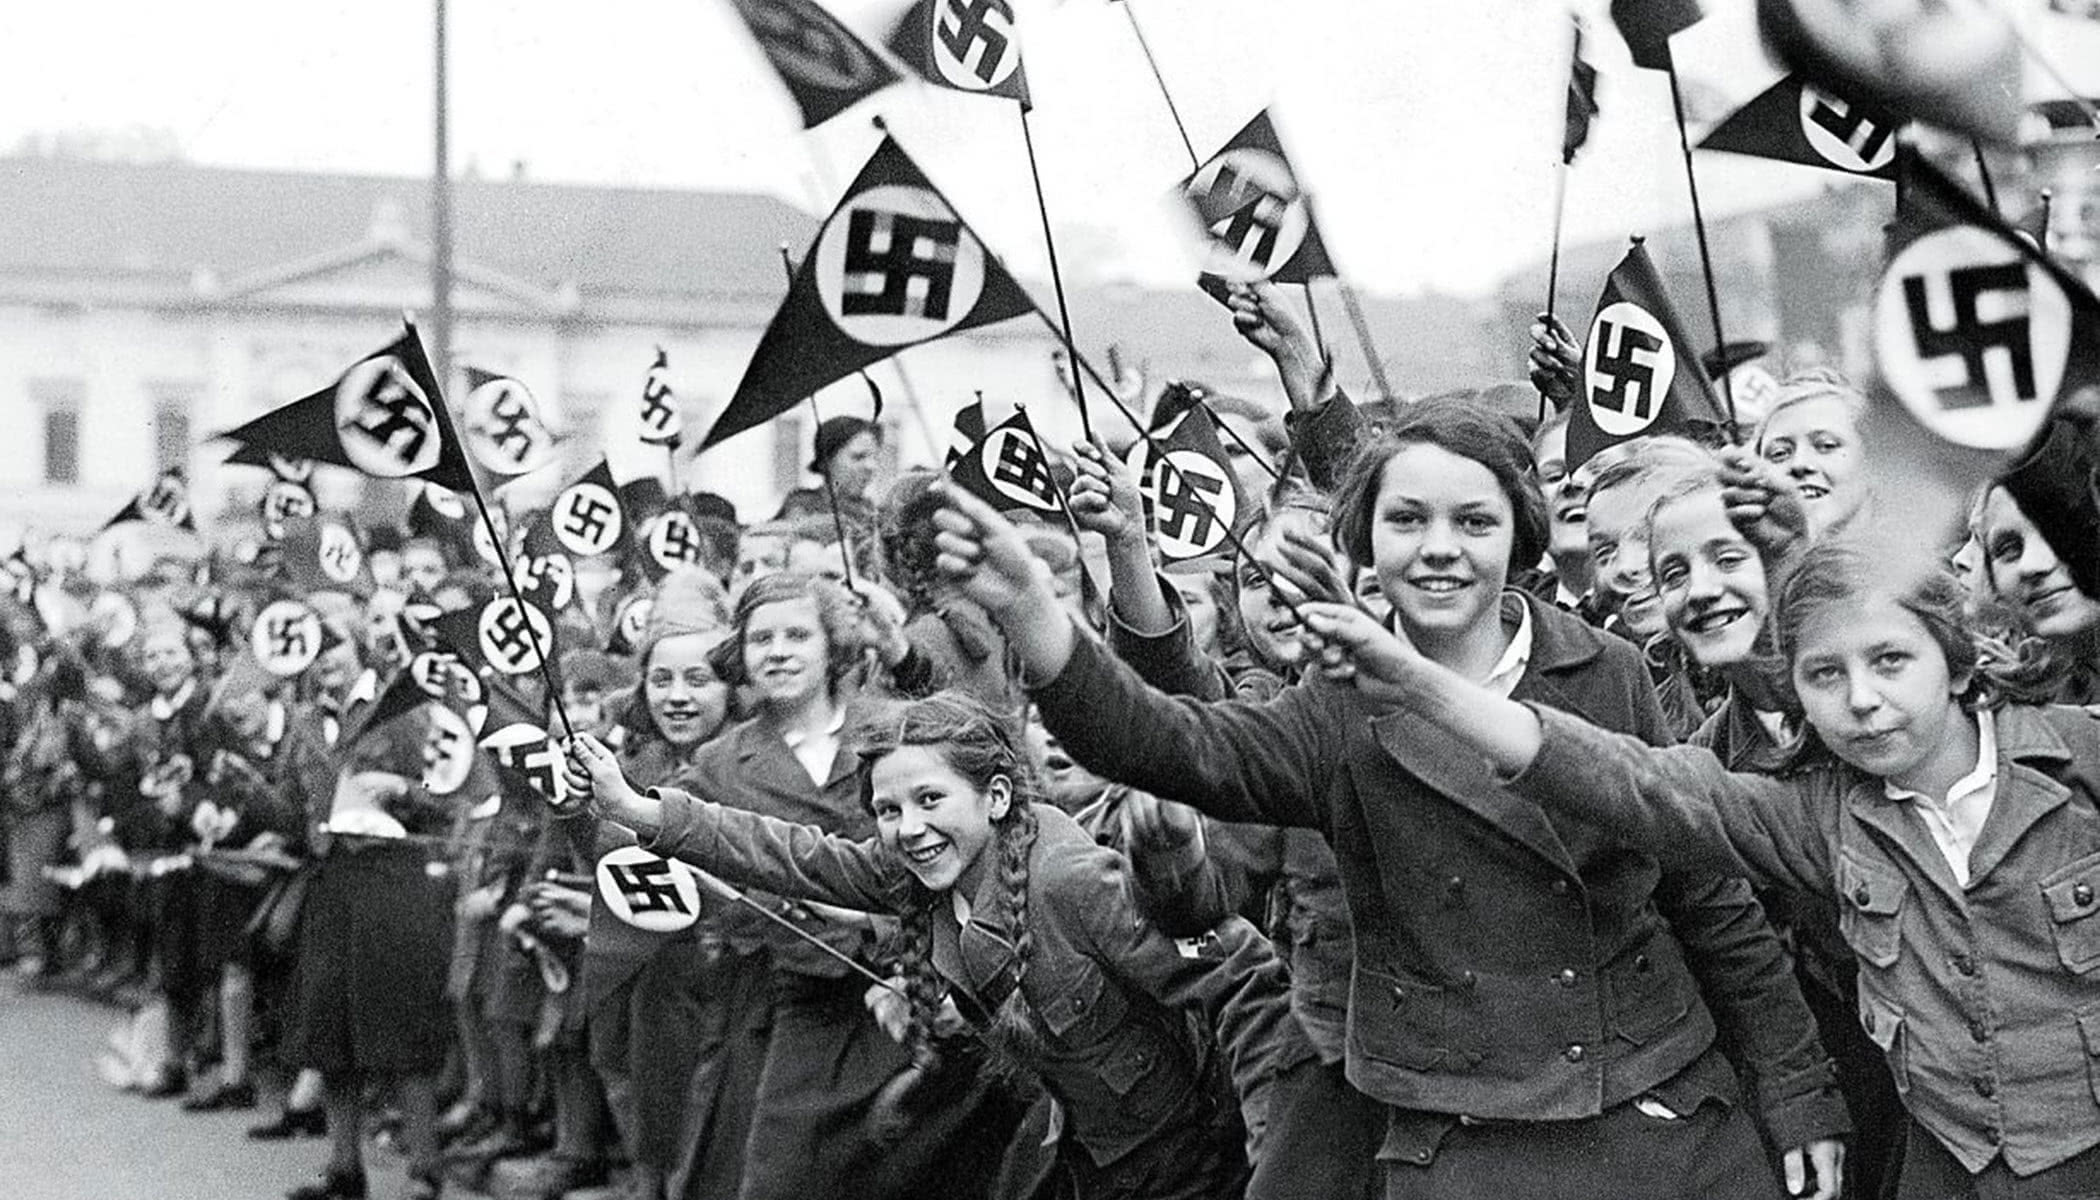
[1130, 12]
[1355, 309]
[2048, 206]
[1313, 311]
[831, 491]
[1057, 278]
[1983, 172]
[1706, 258]
[1560, 203]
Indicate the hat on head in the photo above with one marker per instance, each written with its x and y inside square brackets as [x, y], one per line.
[833, 435]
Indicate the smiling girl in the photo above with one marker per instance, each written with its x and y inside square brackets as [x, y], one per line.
[2021, 567]
[1812, 435]
[1014, 913]
[1960, 835]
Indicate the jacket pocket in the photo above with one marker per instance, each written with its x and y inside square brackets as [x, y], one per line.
[1086, 1010]
[1884, 1023]
[1870, 909]
[2089, 1025]
[2073, 895]
[1399, 1020]
[1649, 991]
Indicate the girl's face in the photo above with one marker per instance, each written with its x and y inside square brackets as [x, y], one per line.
[166, 660]
[1202, 608]
[1876, 686]
[853, 467]
[685, 699]
[1710, 580]
[1272, 632]
[1567, 510]
[938, 823]
[1816, 443]
[1441, 531]
[2024, 568]
[1619, 555]
[785, 652]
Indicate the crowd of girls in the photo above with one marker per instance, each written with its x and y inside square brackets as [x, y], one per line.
[1478, 823]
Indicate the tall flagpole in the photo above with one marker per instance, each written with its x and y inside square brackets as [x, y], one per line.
[1057, 278]
[1560, 202]
[1706, 258]
[1983, 172]
[440, 348]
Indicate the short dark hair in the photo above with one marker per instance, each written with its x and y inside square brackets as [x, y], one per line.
[1457, 426]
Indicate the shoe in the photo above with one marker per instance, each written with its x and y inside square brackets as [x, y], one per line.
[331, 1187]
[227, 1097]
[312, 1122]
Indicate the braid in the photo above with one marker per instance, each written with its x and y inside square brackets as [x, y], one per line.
[1016, 844]
[922, 985]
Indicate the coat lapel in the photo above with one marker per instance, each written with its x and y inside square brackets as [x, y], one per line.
[2026, 794]
[1464, 779]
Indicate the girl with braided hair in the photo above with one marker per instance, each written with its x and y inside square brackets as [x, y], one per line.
[1014, 914]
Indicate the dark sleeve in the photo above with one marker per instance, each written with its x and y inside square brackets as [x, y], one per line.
[1766, 1026]
[1169, 660]
[1188, 887]
[914, 676]
[753, 850]
[1267, 763]
[1326, 438]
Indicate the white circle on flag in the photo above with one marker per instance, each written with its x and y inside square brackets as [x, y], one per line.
[341, 558]
[647, 891]
[1254, 218]
[586, 519]
[900, 260]
[991, 46]
[445, 501]
[553, 572]
[485, 543]
[1193, 504]
[291, 470]
[448, 751]
[285, 500]
[441, 673]
[1628, 364]
[384, 421]
[1839, 150]
[802, 40]
[505, 431]
[633, 619]
[513, 636]
[286, 637]
[1995, 332]
[526, 749]
[674, 541]
[1011, 461]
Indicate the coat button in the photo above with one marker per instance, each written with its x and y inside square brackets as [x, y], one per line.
[1867, 1019]
[1977, 1032]
[1399, 995]
[1963, 964]
[1468, 980]
[1986, 1088]
[1077, 1004]
[1560, 887]
[1575, 1053]
[1861, 896]
[1567, 978]
[1420, 1156]
[2082, 895]
[1640, 962]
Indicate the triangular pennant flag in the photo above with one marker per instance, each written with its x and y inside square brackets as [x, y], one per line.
[286, 637]
[1640, 372]
[516, 740]
[826, 68]
[968, 45]
[445, 517]
[1951, 63]
[385, 417]
[644, 499]
[662, 423]
[1795, 121]
[672, 541]
[504, 429]
[894, 266]
[1008, 469]
[500, 634]
[322, 553]
[1582, 101]
[166, 503]
[1192, 495]
[1647, 26]
[284, 500]
[397, 698]
[585, 520]
[1257, 221]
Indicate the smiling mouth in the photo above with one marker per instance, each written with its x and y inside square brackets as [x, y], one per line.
[923, 855]
[1810, 491]
[1438, 585]
[1714, 620]
[1875, 740]
[1574, 514]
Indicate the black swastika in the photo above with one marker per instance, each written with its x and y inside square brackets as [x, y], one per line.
[511, 635]
[657, 412]
[288, 638]
[1021, 466]
[676, 543]
[587, 519]
[639, 883]
[535, 761]
[510, 415]
[339, 557]
[1858, 126]
[972, 27]
[165, 500]
[1971, 337]
[1185, 511]
[898, 265]
[399, 415]
[1616, 359]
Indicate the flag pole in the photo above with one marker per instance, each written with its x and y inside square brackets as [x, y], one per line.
[1983, 172]
[2048, 206]
[1706, 258]
[831, 490]
[1057, 278]
[1355, 309]
[1312, 310]
[1130, 12]
[1064, 502]
[1560, 202]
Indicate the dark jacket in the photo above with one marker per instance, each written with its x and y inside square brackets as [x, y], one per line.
[1986, 999]
[1508, 964]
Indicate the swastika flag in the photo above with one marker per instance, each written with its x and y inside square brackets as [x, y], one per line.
[968, 45]
[321, 552]
[1951, 63]
[585, 520]
[1641, 374]
[167, 503]
[893, 266]
[1797, 122]
[826, 68]
[1192, 495]
[1257, 222]
[385, 416]
[1008, 469]
[504, 428]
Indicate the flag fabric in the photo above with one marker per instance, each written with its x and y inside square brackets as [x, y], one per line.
[1008, 469]
[1582, 101]
[1648, 25]
[1797, 122]
[971, 421]
[826, 67]
[322, 553]
[166, 503]
[670, 542]
[1257, 222]
[967, 45]
[586, 519]
[1641, 373]
[504, 430]
[283, 500]
[445, 517]
[500, 634]
[893, 266]
[286, 637]
[1951, 63]
[385, 417]
[394, 699]
[516, 740]
[662, 424]
[1192, 495]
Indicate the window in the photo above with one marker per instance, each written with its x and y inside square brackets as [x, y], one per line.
[60, 400]
[791, 450]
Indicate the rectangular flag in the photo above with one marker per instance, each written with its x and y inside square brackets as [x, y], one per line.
[893, 266]
[166, 503]
[1257, 222]
[1797, 122]
[826, 68]
[1582, 101]
[1641, 374]
[967, 45]
[1008, 469]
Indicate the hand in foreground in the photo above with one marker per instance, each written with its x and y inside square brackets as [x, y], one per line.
[1312, 568]
[595, 776]
[1350, 647]
[1556, 361]
[1762, 504]
[987, 557]
[1104, 495]
[1260, 316]
[1827, 1157]
[882, 621]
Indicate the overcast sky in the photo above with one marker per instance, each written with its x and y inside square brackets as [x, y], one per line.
[1429, 129]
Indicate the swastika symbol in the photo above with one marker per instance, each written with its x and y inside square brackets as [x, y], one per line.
[1971, 338]
[587, 519]
[509, 417]
[513, 637]
[898, 265]
[394, 418]
[971, 28]
[640, 885]
[166, 500]
[1021, 466]
[1867, 132]
[1251, 228]
[659, 409]
[1632, 389]
[674, 542]
[534, 758]
[1186, 508]
[804, 44]
[288, 637]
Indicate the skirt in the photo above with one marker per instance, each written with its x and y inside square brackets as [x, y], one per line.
[374, 943]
